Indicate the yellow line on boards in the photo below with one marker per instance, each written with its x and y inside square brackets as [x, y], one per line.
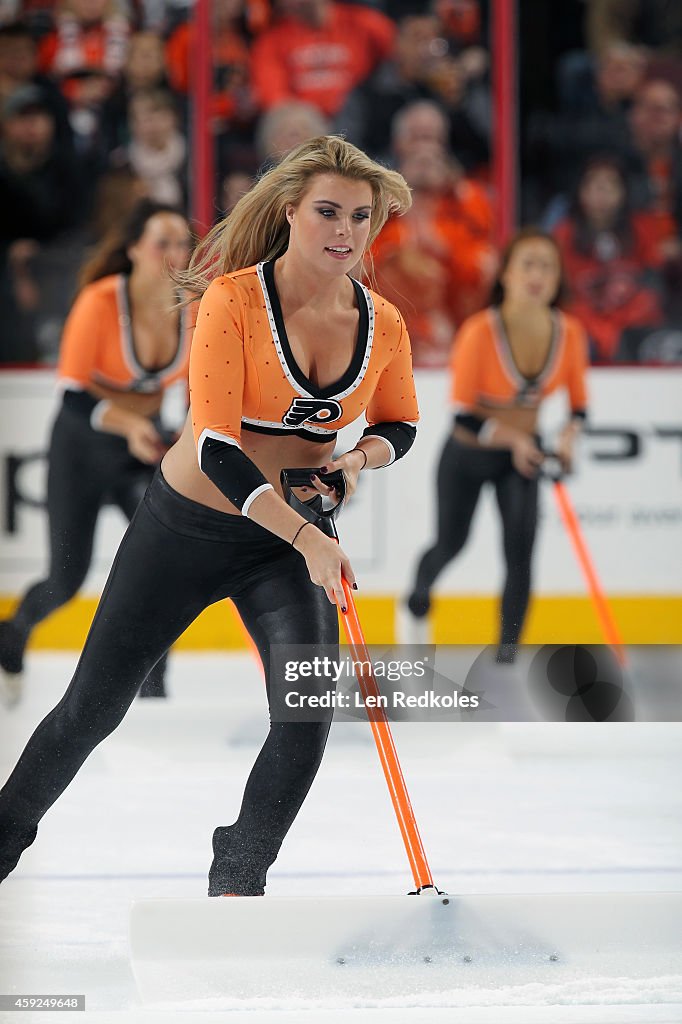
[643, 619]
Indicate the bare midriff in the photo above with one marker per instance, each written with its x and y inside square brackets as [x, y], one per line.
[524, 420]
[271, 453]
[148, 405]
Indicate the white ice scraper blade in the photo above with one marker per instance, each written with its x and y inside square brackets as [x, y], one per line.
[384, 946]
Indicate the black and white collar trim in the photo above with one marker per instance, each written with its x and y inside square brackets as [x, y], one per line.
[507, 360]
[138, 371]
[301, 385]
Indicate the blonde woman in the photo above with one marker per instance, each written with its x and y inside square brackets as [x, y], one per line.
[287, 349]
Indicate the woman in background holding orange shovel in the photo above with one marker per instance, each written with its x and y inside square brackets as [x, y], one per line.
[506, 360]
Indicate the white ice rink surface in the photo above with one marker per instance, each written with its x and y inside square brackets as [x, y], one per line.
[511, 808]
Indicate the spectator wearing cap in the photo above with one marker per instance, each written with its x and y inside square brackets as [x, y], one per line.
[40, 183]
[318, 51]
[40, 198]
[19, 66]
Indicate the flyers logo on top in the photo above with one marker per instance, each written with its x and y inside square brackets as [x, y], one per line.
[319, 411]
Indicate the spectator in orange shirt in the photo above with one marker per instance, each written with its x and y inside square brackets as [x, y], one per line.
[437, 261]
[232, 106]
[318, 51]
[610, 257]
[231, 100]
[85, 55]
[90, 36]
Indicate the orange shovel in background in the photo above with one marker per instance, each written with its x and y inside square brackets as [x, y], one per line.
[553, 471]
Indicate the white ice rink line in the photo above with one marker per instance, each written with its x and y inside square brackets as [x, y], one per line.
[501, 809]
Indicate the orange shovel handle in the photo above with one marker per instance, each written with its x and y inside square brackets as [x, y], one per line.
[384, 743]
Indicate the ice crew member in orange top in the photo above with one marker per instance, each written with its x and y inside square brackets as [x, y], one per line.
[287, 349]
[506, 360]
[123, 346]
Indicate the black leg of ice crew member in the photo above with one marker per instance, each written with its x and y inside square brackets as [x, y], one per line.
[517, 499]
[458, 488]
[127, 493]
[293, 611]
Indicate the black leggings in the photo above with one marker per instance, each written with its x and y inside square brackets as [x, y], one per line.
[462, 471]
[176, 558]
[86, 469]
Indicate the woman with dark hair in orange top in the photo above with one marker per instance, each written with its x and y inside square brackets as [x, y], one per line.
[506, 360]
[122, 348]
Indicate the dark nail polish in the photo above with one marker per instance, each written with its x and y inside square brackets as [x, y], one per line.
[344, 609]
[322, 469]
[355, 586]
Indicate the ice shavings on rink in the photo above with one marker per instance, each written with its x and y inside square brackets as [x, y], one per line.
[514, 808]
[597, 992]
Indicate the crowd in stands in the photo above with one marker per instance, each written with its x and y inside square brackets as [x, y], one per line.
[95, 112]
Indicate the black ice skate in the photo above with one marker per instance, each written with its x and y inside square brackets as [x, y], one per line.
[231, 874]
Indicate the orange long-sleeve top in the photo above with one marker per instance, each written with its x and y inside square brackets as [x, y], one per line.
[98, 344]
[230, 66]
[293, 60]
[484, 372]
[243, 374]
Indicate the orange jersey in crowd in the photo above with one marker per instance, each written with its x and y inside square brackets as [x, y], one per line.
[98, 345]
[230, 59]
[293, 60]
[484, 372]
[243, 374]
[436, 268]
[72, 47]
[609, 295]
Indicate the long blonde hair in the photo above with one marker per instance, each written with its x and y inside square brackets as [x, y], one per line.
[257, 228]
